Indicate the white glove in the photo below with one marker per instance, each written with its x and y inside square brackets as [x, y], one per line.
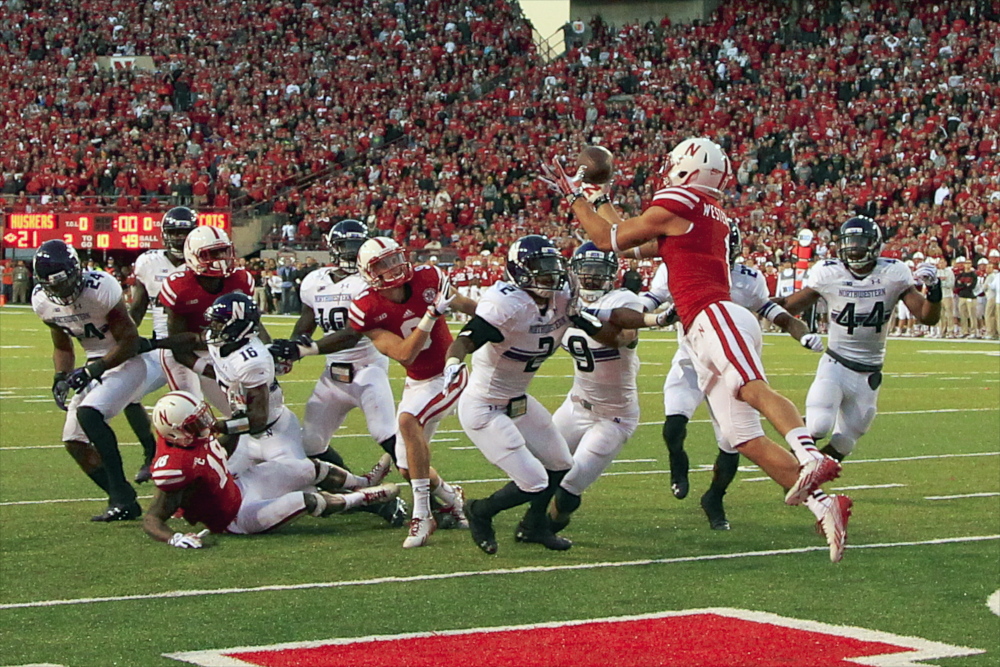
[812, 341]
[456, 376]
[926, 273]
[559, 181]
[442, 304]
[593, 192]
[186, 541]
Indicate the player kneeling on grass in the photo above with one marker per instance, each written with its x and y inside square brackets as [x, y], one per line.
[191, 473]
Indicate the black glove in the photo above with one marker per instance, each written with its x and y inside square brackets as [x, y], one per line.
[60, 390]
[284, 350]
[81, 377]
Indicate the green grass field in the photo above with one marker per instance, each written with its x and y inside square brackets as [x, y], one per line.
[913, 567]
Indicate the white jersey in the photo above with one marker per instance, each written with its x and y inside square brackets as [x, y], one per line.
[330, 300]
[606, 376]
[502, 371]
[151, 269]
[86, 319]
[859, 308]
[658, 293]
[243, 369]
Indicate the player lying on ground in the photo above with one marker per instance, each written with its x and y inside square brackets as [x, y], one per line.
[686, 227]
[89, 306]
[191, 473]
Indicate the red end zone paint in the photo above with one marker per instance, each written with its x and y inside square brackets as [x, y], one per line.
[708, 637]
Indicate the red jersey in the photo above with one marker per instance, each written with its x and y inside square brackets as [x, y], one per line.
[371, 310]
[182, 294]
[213, 499]
[698, 261]
[459, 276]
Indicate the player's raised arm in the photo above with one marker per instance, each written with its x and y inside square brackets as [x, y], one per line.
[926, 310]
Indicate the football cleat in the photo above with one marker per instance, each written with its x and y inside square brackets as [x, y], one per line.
[812, 475]
[455, 512]
[679, 486]
[421, 528]
[144, 474]
[395, 512]
[543, 536]
[379, 494]
[481, 529]
[712, 506]
[833, 526]
[119, 513]
[375, 476]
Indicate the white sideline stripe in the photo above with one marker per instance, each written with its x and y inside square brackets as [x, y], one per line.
[699, 468]
[867, 486]
[920, 650]
[656, 423]
[964, 495]
[489, 573]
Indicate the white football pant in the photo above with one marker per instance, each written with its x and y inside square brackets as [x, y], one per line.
[593, 440]
[840, 405]
[331, 401]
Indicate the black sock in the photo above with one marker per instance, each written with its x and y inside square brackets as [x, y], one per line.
[674, 432]
[566, 502]
[331, 456]
[723, 472]
[832, 452]
[503, 499]
[106, 444]
[389, 445]
[139, 421]
[99, 476]
[535, 516]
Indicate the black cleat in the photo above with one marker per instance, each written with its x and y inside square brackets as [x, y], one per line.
[543, 536]
[481, 529]
[119, 513]
[395, 512]
[679, 487]
[712, 505]
[144, 474]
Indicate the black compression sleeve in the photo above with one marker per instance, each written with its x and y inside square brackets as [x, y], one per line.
[481, 332]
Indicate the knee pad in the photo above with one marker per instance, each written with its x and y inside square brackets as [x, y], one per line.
[674, 431]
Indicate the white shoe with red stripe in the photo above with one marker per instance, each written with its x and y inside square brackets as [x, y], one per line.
[812, 475]
[833, 525]
[375, 476]
[421, 528]
[457, 509]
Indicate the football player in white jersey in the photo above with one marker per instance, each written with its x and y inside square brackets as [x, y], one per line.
[88, 306]
[517, 326]
[682, 395]
[356, 377]
[861, 289]
[151, 269]
[601, 411]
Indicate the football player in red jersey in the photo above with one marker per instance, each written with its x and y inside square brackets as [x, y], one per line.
[191, 474]
[401, 314]
[209, 271]
[686, 227]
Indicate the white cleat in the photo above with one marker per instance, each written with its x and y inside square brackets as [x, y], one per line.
[379, 494]
[421, 528]
[457, 510]
[375, 476]
[812, 475]
[833, 525]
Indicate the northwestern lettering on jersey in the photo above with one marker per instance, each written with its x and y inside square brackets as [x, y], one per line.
[861, 294]
[548, 328]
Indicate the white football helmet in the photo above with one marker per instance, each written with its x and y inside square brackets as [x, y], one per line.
[700, 163]
[209, 252]
[383, 263]
[181, 418]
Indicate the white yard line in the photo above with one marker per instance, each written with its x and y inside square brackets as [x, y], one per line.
[964, 495]
[484, 573]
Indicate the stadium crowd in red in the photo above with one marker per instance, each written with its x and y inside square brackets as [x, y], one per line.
[442, 111]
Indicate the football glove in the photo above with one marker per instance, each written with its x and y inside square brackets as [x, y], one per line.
[81, 377]
[595, 192]
[442, 304]
[926, 273]
[812, 341]
[294, 349]
[667, 316]
[559, 181]
[60, 390]
[456, 376]
[186, 541]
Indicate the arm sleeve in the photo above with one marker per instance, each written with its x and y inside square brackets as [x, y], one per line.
[481, 332]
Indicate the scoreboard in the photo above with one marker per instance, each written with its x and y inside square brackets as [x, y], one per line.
[90, 230]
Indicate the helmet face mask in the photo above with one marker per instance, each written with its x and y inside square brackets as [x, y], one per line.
[536, 266]
[384, 264]
[209, 252]
[735, 243]
[181, 419]
[595, 270]
[233, 318]
[860, 245]
[344, 241]
[177, 223]
[57, 269]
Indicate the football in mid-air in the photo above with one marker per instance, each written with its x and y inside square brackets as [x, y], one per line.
[598, 164]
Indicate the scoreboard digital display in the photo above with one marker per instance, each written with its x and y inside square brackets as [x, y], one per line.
[89, 230]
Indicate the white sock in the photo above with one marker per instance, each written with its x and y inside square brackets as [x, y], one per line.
[818, 503]
[445, 492]
[353, 499]
[803, 445]
[421, 497]
[353, 481]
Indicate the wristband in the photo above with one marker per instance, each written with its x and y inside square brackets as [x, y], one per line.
[427, 322]
[587, 326]
[452, 361]
[934, 294]
[308, 350]
[234, 426]
[650, 319]
[573, 196]
[97, 368]
[200, 365]
[614, 239]
[59, 377]
[145, 345]
[601, 201]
